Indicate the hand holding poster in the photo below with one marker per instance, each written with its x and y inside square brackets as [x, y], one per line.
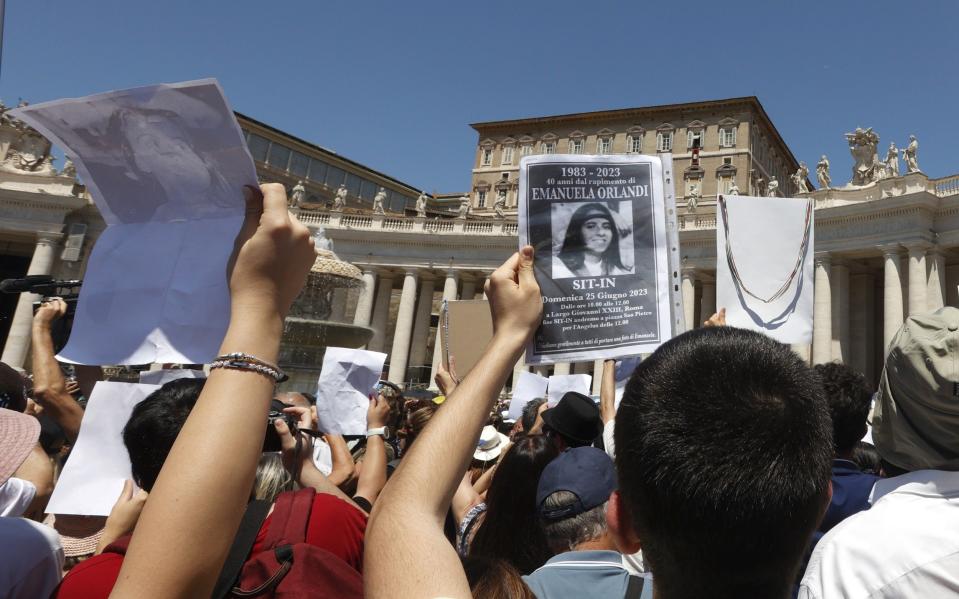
[764, 265]
[598, 224]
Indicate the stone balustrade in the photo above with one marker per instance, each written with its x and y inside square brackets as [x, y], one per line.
[947, 186]
[379, 222]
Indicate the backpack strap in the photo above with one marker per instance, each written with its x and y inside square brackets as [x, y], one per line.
[253, 517]
[635, 587]
[291, 517]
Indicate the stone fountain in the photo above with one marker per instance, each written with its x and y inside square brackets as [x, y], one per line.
[308, 330]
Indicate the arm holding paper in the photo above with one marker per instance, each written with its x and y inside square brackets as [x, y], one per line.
[373, 475]
[49, 384]
[343, 465]
[196, 504]
[405, 546]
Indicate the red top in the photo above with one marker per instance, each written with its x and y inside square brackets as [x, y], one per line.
[334, 525]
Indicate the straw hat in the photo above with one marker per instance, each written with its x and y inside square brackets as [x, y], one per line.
[491, 444]
[18, 435]
[79, 535]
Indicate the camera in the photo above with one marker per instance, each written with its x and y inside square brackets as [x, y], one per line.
[272, 440]
[47, 287]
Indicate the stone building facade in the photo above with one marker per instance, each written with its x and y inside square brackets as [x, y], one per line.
[714, 144]
[883, 250]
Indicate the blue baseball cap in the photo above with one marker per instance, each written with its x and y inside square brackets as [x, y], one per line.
[586, 472]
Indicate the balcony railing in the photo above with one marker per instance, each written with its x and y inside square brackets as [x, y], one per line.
[376, 222]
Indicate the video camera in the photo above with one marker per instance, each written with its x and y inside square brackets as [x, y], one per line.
[47, 287]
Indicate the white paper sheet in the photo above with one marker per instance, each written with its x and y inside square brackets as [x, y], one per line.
[528, 387]
[162, 377]
[561, 384]
[346, 381]
[322, 456]
[165, 165]
[766, 236]
[93, 477]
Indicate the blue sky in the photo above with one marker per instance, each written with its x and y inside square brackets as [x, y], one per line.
[394, 85]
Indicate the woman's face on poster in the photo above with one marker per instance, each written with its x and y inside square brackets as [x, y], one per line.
[164, 151]
[597, 234]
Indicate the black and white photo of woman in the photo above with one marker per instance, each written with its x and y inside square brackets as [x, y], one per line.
[593, 242]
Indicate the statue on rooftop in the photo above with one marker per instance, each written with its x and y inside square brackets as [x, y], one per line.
[464, 207]
[378, 201]
[733, 188]
[822, 173]
[892, 160]
[298, 194]
[802, 175]
[500, 204]
[866, 166]
[910, 155]
[421, 205]
[339, 200]
[772, 190]
[69, 169]
[692, 200]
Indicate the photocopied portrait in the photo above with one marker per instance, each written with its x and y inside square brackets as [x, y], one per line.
[592, 239]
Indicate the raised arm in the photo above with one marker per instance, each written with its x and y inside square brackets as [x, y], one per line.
[49, 384]
[373, 475]
[343, 465]
[195, 507]
[406, 552]
[607, 391]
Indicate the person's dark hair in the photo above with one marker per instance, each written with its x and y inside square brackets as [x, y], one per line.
[13, 389]
[154, 425]
[530, 411]
[849, 397]
[418, 419]
[510, 529]
[572, 253]
[866, 456]
[723, 455]
[491, 578]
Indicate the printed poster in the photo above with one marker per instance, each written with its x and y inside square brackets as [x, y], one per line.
[598, 224]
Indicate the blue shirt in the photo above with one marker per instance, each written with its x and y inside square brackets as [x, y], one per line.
[577, 574]
[850, 493]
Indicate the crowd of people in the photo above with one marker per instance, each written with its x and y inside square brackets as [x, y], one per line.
[730, 468]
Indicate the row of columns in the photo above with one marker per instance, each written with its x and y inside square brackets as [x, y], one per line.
[924, 289]
[412, 327]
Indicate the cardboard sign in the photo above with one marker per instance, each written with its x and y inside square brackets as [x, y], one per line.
[466, 328]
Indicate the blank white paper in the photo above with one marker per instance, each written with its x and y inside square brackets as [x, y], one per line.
[561, 384]
[343, 392]
[528, 386]
[93, 477]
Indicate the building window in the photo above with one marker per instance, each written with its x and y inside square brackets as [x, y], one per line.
[576, 146]
[695, 139]
[634, 144]
[299, 164]
[279, 156]
[526, 150]
[507, 155]
[664, 141]
[317, 171]
[549, 147]
[604, 145]
[728, 160]
[727, 137]
[259, 146]
[481, 199]
[487, 157]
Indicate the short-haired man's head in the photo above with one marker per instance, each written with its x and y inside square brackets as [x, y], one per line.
[572, 495]
[849, 396]
[724, 451]
[530, 412]
[154, 425]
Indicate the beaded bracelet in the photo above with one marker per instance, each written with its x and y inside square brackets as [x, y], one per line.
[239, 362]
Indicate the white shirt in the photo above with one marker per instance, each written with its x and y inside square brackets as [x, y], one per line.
[31, 559]
[906, 545]
[15, 497]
